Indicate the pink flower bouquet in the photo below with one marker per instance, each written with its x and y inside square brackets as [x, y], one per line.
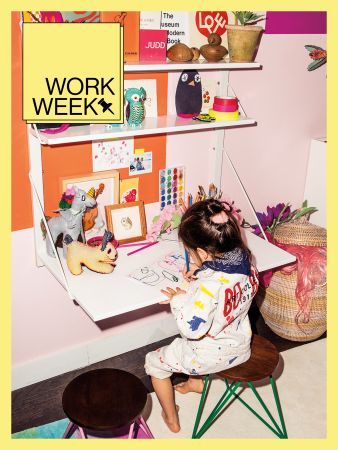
[168, 220]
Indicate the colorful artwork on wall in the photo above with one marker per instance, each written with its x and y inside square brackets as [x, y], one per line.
[172, 183]
[129, 190]
[112, 153]
[208, 94]
[61, 16]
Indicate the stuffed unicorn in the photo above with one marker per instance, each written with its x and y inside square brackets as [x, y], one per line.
[72, 207]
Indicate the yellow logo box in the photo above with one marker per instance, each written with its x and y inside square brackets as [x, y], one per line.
[73, 72]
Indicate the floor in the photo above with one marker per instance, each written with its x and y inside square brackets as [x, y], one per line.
[40, 403]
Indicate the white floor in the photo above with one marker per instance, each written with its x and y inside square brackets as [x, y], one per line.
[301, 383]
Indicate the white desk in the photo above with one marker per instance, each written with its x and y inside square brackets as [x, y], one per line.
[107, 295]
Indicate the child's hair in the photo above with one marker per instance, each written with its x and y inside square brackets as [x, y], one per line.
[198, 230]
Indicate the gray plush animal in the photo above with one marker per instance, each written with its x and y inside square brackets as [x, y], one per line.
[70, 220]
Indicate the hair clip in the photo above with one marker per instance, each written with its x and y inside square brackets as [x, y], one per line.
[220, 217]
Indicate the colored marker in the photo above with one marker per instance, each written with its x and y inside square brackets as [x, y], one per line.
[139, 249]
[133, 245]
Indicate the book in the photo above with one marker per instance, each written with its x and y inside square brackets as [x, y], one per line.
[130, 20]
[153, 45]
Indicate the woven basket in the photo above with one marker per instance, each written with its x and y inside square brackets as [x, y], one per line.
[278, 304]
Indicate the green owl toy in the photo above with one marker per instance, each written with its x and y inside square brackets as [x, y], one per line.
[135, 108]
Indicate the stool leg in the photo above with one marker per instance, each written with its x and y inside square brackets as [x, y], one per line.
[200, 406]
[278, 407]
[83, 436]
[131, 429]
[145, 427]
[70, 425]
[224, 399]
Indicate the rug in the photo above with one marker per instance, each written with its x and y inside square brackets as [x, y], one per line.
[55, 430]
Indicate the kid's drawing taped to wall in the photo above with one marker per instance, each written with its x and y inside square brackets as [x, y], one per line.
[161, 273]
[112, 154]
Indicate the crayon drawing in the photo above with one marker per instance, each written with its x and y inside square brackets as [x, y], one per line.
[162, 273]
[112, 154]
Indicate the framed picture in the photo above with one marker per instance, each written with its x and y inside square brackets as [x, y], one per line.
[106, 186]
[127, 221]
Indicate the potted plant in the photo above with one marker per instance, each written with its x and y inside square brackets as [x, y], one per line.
[242, 39]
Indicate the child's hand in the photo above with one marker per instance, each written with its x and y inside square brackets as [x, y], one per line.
[192, 268]
[171, 293]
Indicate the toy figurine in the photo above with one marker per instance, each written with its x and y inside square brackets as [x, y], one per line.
[204, 118]
[99, 258]
[72, 207]
[188, 97]
[135, 108]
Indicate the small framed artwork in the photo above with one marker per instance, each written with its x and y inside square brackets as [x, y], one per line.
[127, 221]
[106, 187]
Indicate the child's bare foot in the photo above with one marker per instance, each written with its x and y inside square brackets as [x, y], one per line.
[174, 425]
[192, 385]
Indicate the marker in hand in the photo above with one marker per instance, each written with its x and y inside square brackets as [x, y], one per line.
[187, 261]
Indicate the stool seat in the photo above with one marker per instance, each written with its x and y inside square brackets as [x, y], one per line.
[263, 361]
[104, 399]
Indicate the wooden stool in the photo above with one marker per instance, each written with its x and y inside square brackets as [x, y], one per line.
[103, 400]
[263, 361]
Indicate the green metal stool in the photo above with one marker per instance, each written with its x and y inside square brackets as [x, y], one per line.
[263, 361]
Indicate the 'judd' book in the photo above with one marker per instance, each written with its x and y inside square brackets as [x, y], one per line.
[153, 45]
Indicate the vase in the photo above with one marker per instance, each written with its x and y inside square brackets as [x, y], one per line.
[242, 42]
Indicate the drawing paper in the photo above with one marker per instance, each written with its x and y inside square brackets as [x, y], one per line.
[112, 154]
[166, 271]
[150, 104]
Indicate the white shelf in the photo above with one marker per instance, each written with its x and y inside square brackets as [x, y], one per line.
[150, 125]
[103, 296]
[168, 66]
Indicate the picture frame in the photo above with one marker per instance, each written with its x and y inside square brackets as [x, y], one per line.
[127, 221]
[95, 220]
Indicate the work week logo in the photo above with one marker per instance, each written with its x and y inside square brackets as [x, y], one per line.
[78, 82]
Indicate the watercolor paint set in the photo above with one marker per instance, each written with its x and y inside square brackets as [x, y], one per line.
[172, 183]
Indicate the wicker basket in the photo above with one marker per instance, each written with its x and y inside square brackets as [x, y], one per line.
[278, 304]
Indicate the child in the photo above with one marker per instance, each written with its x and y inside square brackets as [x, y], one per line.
[212, 315]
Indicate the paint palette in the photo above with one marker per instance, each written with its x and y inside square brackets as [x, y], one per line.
[171, 186]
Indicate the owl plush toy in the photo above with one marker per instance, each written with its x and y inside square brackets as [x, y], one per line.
[135, 108]
[188, 97]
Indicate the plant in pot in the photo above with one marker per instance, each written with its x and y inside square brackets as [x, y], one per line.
[242, 39]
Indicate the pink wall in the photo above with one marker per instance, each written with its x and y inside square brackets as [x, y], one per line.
[289, 105]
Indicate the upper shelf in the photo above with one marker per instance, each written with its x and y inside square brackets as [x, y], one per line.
[155, 66]
[150, 125]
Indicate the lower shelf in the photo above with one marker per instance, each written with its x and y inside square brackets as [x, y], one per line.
[103, 296]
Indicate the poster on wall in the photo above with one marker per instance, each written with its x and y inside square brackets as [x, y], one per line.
[150, 104]
[203, 23]
[129, 190]
[177, 25]
[61, 16]
[112, 153]
[208, 94]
